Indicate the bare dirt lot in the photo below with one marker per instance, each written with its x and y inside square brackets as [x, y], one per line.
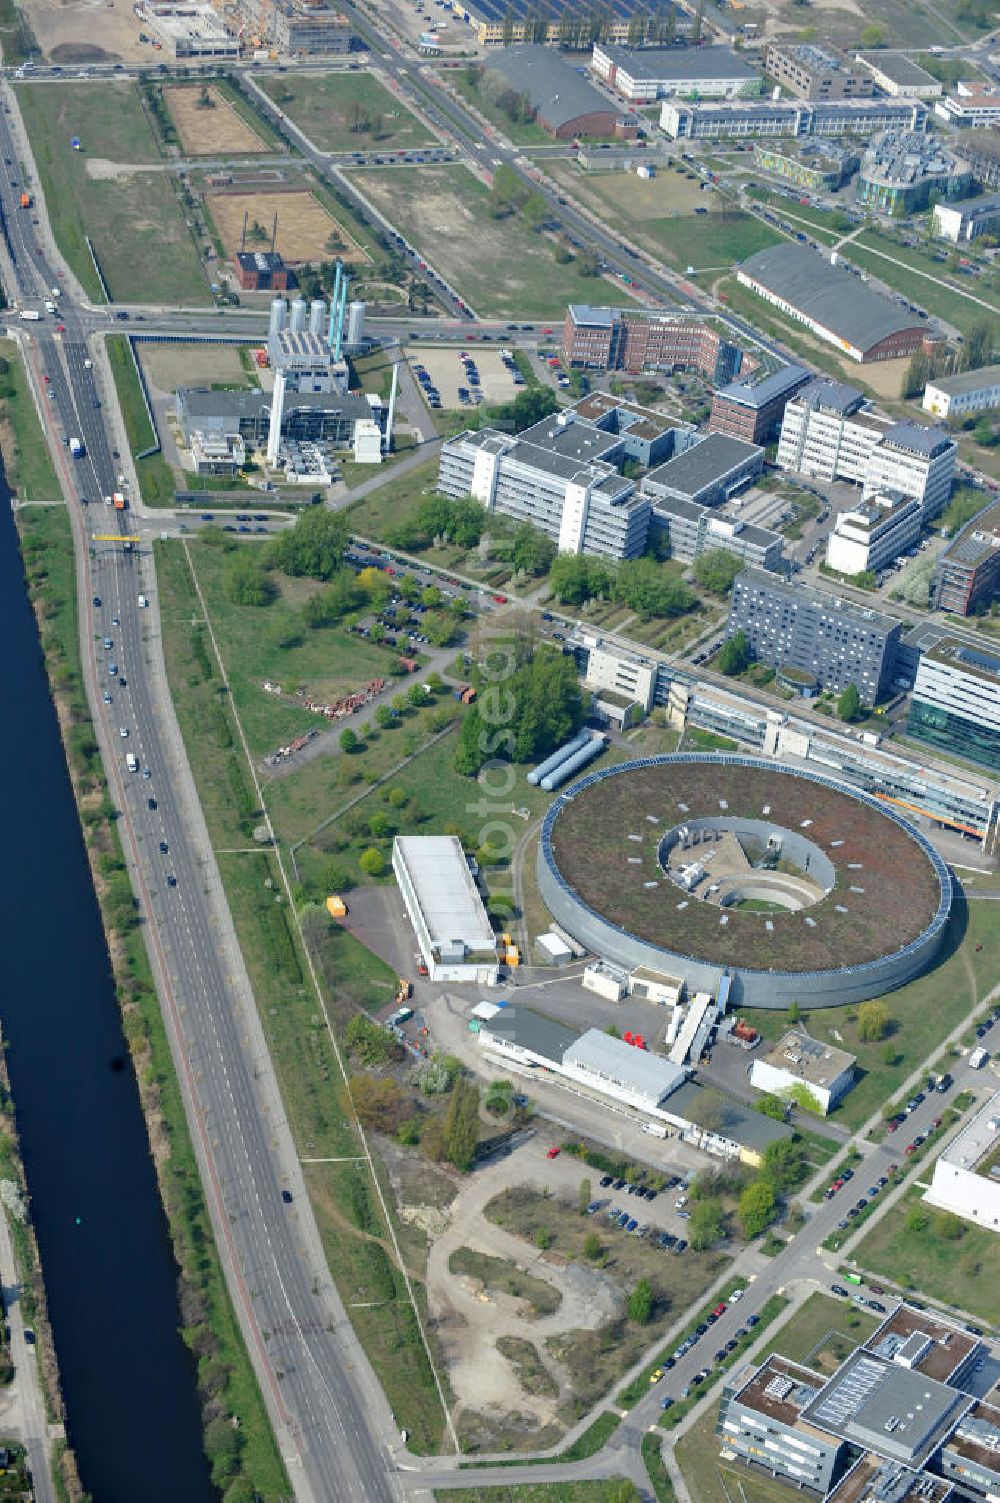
[168, 366]
[214, 131]
[447, 371]
[85, 31]
[304, 226]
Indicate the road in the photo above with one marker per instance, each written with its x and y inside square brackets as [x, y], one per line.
[331, 1420]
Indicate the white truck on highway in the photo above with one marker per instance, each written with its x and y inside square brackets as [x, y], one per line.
[76, 448]
[32, 315]
[131, 762]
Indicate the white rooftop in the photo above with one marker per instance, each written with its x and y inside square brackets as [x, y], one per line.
[976, 1140]
[623, 1064]
[445, 890]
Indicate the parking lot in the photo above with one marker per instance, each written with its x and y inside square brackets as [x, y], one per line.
[449, 374]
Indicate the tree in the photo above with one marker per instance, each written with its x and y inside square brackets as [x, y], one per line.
[245, 582]
[872, 36]
[543, 1239]
[917, 1220]
[735, 654]
[592, 1247]
[368, 1042]
[849, 703]
[977, 346]
[918, 374]
[873, 1022]
[384, 717]
[349, 742]
[757, 1207]
[639, 1304]
[314, 547]
[372, 862]
[541, 707]
[772, 1106]
[461, 1127]
[378, 1103]
[586, 1195]
[588, 263]
[716, 569]
[784, 1163]
[223, 1444]
[949, 1226]
[336, 878]
[706, 1226]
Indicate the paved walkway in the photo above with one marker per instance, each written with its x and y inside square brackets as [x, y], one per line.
[23, 1415]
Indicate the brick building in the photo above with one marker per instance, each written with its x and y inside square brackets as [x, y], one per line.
[619, 339]
[263, 271]
[752, 407]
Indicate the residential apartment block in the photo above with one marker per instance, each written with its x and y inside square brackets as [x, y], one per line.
[828, 642]
[811, 72]
[872, 534]
[968, 571]
[956, 702]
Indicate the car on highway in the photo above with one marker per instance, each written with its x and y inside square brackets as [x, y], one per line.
[112, 670]
[108, 644]
[286, 1196]
[171, 881]
[107, 696]
[552, 1153]
[163, 847]
[123, 683]
[123, 732]
[97, 602]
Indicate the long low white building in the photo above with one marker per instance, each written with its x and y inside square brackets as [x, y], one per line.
[969, 391]
[443, 904]
[967, 1175]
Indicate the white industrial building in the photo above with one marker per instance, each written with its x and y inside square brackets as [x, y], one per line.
[798, 1061]
[444, 906]
[830, 433]
[967, 219]
[872, 534]
[969, 391]
[650, 73]
[967, 1174]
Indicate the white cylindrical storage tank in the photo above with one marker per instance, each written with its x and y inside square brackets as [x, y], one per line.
[573, 764]
[551, 763]
[297, 318]
[317, 314]
[355, 323]
[279, 312]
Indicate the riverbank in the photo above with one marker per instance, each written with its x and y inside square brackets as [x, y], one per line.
[237, 1435]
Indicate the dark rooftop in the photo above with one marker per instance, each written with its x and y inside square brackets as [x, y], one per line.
[552, 85]
[705, 463]
[948, 1347]
[757, 390]
[827, 294]
[684, 63]
[779, 1388]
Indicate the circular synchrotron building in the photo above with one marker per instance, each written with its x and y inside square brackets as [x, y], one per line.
[796, 887]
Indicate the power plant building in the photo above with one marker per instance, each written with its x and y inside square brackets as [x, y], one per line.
[327, 417]
[307, 361]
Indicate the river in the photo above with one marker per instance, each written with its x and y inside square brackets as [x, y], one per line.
[110, 1275]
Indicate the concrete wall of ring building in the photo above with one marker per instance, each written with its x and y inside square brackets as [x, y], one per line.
[750, 988]
[805, 853]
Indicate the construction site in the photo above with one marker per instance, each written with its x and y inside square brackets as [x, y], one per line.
[256, 28]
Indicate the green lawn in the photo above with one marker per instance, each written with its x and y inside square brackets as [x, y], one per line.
[923, 1013]
[134, 220]
[443, 211]
[928, 283]
[822, 1332]
[156, 478]
[827, 224]
[328, 106]
[25, 454]
[963, 1270]
[711, 240]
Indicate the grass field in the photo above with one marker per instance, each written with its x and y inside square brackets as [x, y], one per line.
[525, 133]
[133, 219]
[26, 457]
[328, 107]
[828, 225]
[304, 225]
[217, 129]
[923, 280]
[963, 1270]
[156, 478]
[923, 1012]
[822, 1332]
[713, 1481]
[443, 211]
[659, 213]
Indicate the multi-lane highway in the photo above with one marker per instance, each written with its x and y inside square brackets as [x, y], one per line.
[332, 1424]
